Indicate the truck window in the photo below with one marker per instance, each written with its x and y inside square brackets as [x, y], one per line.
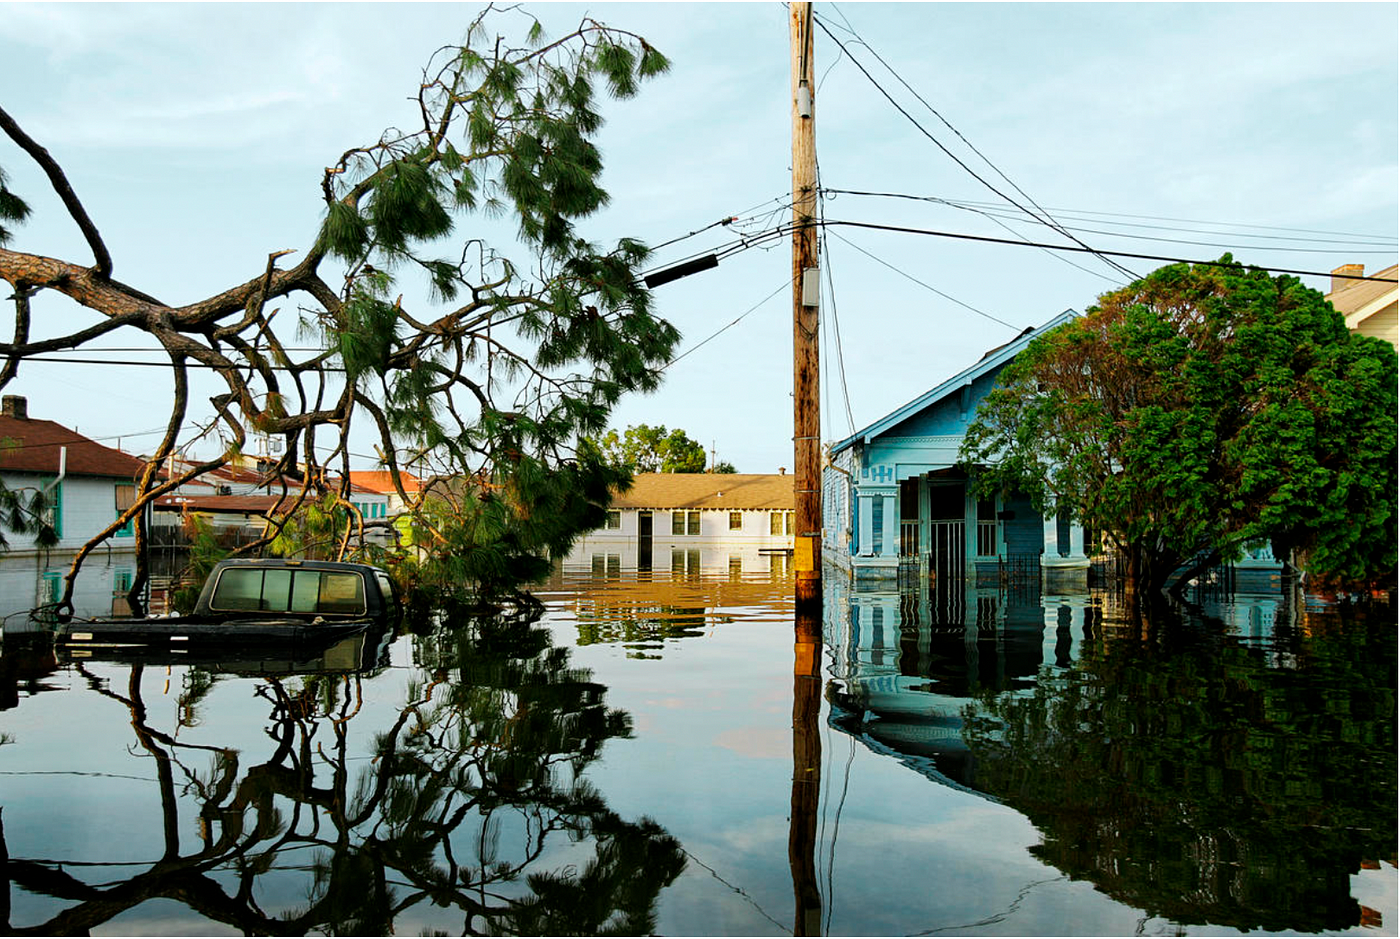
[238, 589]
[341, 593]
[279, 591]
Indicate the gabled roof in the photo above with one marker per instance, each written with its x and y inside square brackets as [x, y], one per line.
[36, 446]
[1364, 295]
[991, 362]
[707, 491]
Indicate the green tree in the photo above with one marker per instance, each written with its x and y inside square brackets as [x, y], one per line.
[490, 381]
[1198, 411]
[646, 449]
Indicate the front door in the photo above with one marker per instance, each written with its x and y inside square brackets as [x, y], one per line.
[644, 541]
[947, 532]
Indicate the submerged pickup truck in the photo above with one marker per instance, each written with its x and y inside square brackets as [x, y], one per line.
[271, 602]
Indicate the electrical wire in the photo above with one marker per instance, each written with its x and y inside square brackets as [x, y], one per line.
[1047, 221]
[908, 276]
[784, 286]
[993, 211]
[1122, 254]
[831, 291]
[992, 217]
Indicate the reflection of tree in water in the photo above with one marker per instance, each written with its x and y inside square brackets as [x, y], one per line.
[642, 626]
[1197, 782]
[474, 795]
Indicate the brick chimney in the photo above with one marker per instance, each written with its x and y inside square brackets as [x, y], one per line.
[16, 406]
[1351, 270]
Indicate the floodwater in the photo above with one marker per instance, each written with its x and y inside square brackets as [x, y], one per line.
[673, 754]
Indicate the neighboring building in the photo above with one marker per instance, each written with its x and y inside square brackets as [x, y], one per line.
[382, 483]
[1368, 305]
[88, 486]
[688, 522]
[893, 492]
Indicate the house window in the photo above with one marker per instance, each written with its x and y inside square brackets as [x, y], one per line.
[50, 587]
[685, 522]
[53, 511]
[781, 523]
[124, 495]
[736, 521]
[614, 522]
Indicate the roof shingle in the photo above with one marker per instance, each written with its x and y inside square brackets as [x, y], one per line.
[707, 491]
[32, 446]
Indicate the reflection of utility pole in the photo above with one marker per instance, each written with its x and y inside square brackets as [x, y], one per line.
[806, 773]
[806, 406]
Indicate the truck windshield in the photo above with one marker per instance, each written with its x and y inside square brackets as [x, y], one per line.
[244, 589]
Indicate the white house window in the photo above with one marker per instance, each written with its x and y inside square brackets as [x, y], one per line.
[614, 522]
[736, 521]
[685, 522]
[781, 523]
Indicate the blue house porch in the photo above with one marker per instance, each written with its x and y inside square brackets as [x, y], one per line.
[893, 494]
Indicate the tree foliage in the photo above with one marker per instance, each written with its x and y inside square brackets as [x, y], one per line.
[492, 382]
[1197, 411]
[647, 449]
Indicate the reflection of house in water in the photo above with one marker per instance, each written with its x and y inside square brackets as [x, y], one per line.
[684, 523]
[912, 667]
[642, 610]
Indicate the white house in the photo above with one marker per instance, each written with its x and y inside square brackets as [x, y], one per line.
[688, 522]
[87, 486]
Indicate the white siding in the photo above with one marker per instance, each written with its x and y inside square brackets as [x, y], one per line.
[88, 505]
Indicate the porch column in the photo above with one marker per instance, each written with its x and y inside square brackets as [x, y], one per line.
[1052, 536]
[891, 534]
[865, 545]
[970, 531]
[1076, 540]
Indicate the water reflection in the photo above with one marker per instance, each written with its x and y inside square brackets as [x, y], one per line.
[1231, 763]
[645, 611]
[463, 807]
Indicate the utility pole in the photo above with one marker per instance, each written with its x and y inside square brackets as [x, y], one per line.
[806, 316]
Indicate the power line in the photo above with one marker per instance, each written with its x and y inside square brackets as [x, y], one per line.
[990, 208]
[1047, 221]
[916, 280]
[831, 289]
[784, 286]
[1122, 254]
[991, 217]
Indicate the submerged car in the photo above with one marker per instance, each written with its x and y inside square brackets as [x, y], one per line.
[262, 602]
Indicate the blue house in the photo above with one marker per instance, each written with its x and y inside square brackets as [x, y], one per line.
[893, 493]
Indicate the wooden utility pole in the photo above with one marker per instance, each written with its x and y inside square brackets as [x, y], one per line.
[806, 316]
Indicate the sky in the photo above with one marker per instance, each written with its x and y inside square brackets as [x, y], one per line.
[196, 136]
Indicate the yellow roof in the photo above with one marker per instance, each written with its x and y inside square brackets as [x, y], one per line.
[707, 491]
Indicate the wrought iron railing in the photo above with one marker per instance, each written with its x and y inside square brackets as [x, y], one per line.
[908, 539]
